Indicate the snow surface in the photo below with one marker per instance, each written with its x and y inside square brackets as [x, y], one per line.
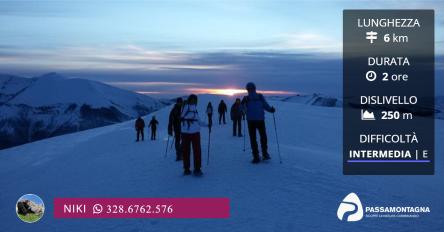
[302, 194]
[311, 99]
[11, 85]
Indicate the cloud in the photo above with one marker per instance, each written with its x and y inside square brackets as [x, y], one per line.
[295, 43]
[151, 83]
[309, 42]
[24, 8]
[129, 57]
[174, 73]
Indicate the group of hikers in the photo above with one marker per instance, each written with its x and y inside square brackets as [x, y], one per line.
[184, 124]
[236, 115]
[140, 125]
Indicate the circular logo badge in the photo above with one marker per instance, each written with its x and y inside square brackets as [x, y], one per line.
[30, 208]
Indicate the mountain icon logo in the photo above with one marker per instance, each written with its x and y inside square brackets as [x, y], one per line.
[350, 209]
[367, 115]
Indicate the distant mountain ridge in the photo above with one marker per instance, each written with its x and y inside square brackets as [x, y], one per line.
[51, 104]
[314, 99]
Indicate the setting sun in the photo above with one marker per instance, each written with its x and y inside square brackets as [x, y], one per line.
[216, 91]
[229, 92]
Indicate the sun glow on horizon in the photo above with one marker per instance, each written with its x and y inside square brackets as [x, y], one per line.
[228, 92]
[235, 91]
[214, 91]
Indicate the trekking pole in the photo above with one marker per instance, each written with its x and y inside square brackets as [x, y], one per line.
[277, 139]
[174, 139]
[208, 152]
[166, 149]
[244, 132]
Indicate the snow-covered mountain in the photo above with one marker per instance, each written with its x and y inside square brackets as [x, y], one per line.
[314, 99]
[301, 194]
[50, 105]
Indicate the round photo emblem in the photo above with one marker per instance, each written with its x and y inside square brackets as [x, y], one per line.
[30, 208]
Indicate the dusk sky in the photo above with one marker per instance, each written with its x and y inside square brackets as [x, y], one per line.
[166, 47]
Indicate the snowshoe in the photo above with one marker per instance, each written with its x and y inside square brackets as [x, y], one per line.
[266, 156]
[255, 160]
[187, 172]
[197, 172]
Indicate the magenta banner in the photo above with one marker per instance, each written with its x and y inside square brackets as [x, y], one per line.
[141, 207]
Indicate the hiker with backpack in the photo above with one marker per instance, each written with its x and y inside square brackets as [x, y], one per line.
[236, 114]
[222, 109]
[139, 126]
[174, 125]
[153, 125]
[254, 105]
[190, 129]
[210, 114]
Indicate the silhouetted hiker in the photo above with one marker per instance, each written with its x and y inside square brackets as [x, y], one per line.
[254, 105]
[236, 114]
[191, 136]
[139, 125]
[210, 114]
[153, 124]
[222, 109]
[174, 125]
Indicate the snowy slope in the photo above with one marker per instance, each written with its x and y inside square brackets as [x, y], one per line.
[311, 99]
[302, 194]
[11, 86]
[53, 89]
[50, 105]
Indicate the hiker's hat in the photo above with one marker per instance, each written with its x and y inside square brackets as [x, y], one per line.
[250, 86]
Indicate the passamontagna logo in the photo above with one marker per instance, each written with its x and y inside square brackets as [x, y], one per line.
[351, 209]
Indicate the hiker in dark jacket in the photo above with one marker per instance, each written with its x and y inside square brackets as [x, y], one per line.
[174, 126]
[254, 105]
[139, 126]
[210, 114]
[153, 125]
[222, 109]
[236, 114]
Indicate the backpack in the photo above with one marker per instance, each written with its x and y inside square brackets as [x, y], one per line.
[140, 124]
[189, 121]
[247, 98]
